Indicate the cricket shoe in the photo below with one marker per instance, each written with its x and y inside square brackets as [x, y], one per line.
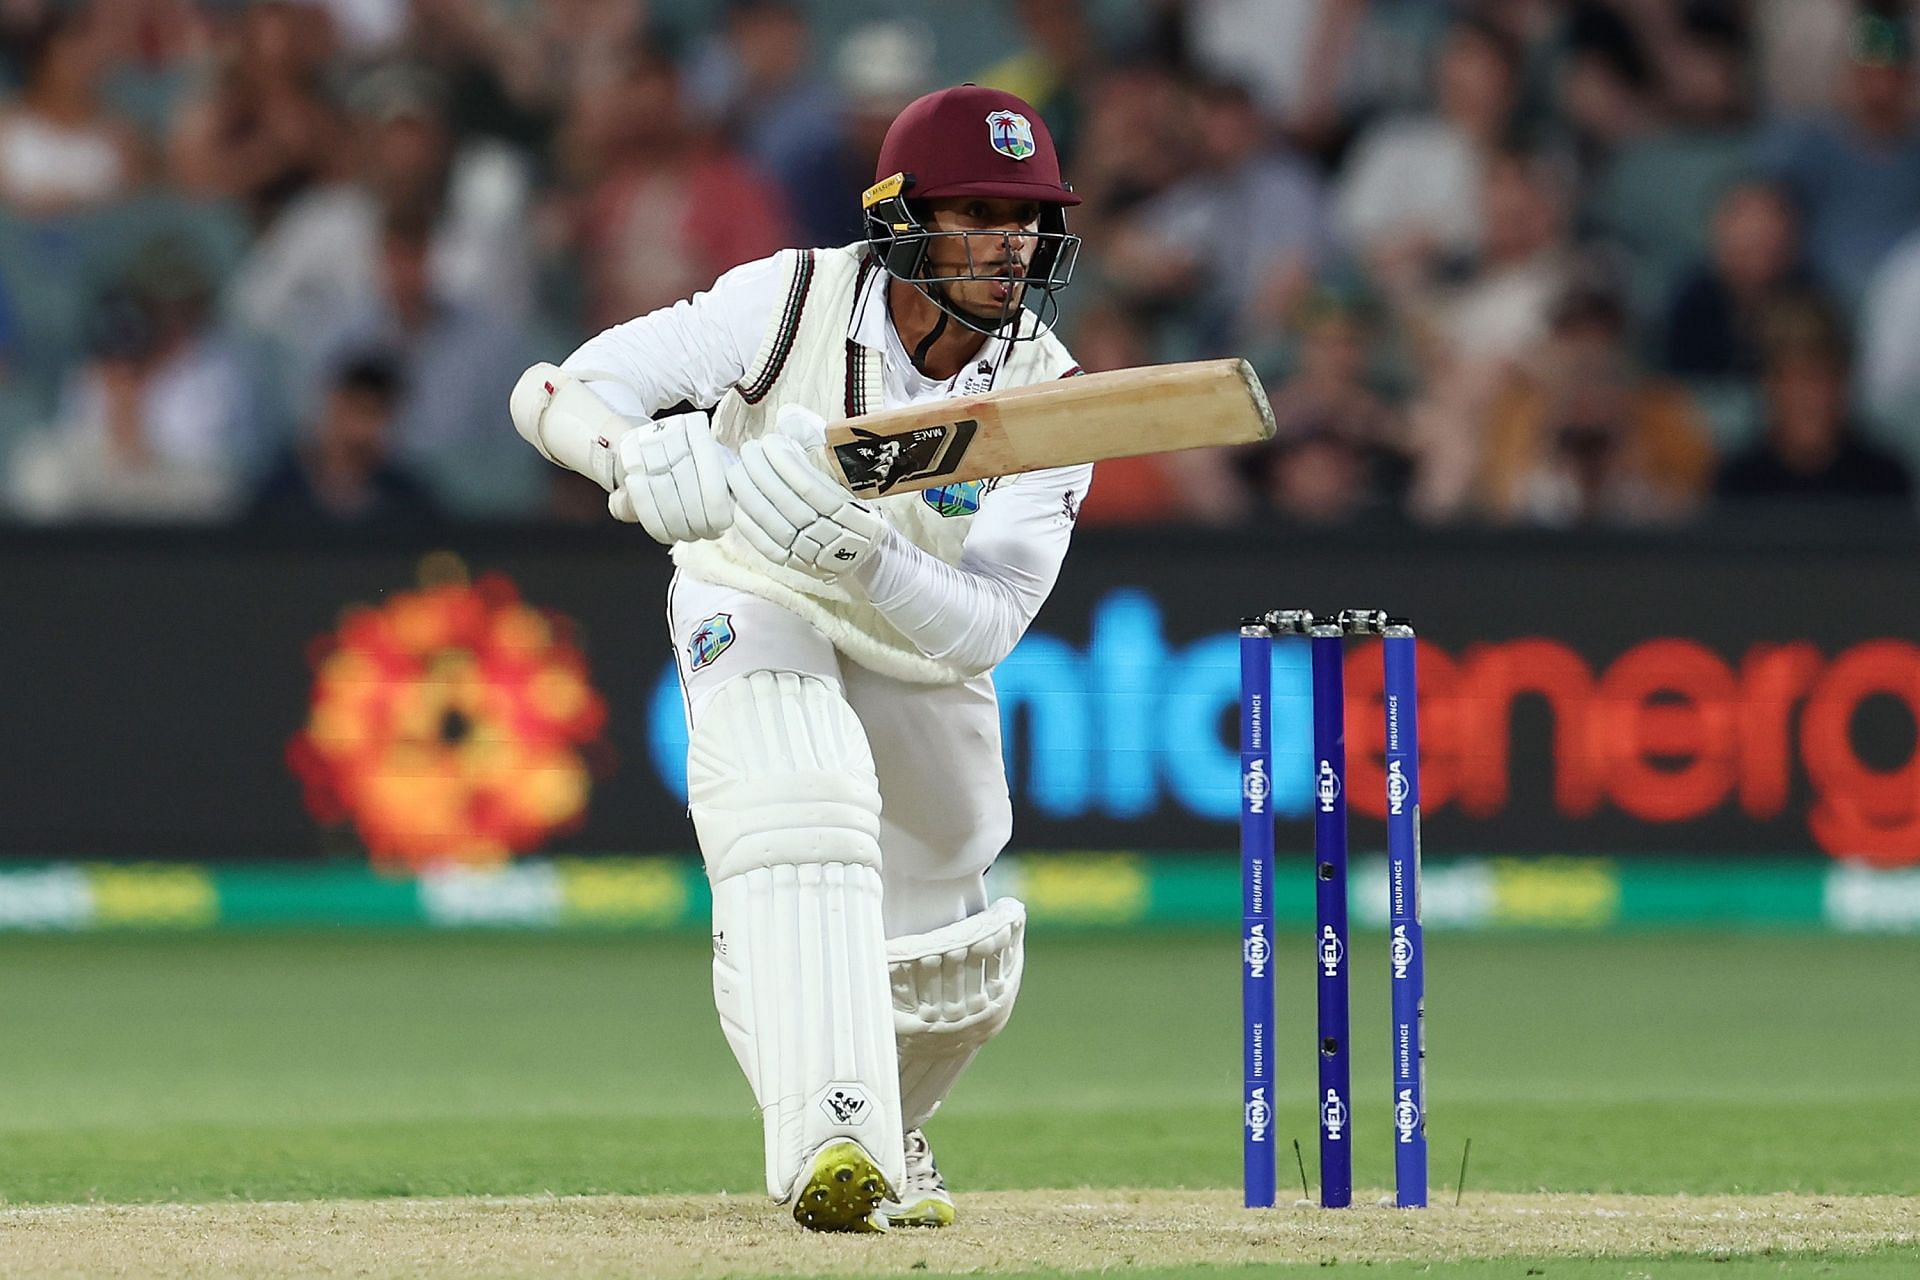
[924, 1200]
[842, 1191]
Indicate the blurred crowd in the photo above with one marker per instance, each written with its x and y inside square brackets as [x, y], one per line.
[1518, 262]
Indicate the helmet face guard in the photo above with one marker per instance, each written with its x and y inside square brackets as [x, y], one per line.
[902, 244]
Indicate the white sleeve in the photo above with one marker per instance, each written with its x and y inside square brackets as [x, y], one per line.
[692, 351]
[972, 614]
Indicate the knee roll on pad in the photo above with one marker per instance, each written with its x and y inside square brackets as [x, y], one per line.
[779, 773]
[953, 990]
[788, 810]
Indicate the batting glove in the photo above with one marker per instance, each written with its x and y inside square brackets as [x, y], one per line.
[793, 513]
[673, 480]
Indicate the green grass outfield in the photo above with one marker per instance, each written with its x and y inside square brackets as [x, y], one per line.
[223, 1067]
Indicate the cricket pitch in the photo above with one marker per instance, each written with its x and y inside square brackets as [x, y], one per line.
[695, 1237]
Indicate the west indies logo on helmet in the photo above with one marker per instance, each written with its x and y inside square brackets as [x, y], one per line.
[971, 141]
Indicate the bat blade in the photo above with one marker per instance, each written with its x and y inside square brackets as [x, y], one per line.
[1122, 414]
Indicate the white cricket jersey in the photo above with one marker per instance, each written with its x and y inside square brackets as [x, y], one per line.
[962, 570]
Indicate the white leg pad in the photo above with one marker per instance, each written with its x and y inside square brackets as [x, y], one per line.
[787, 807]
[953, 990]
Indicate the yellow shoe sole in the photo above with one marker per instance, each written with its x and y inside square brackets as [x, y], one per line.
[922, 1213]
[843, 1192]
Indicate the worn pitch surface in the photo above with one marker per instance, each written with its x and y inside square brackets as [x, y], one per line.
[1046, 1232]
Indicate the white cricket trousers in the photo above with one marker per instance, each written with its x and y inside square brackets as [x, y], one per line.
[944, 811]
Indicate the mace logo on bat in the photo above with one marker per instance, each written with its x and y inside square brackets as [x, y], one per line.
[877, 464]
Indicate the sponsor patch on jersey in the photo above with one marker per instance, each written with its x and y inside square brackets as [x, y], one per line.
[961, 499]
[713, 637]
[1011, 134]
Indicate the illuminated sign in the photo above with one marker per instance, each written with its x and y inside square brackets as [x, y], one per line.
[1667, 732]
[449, 725]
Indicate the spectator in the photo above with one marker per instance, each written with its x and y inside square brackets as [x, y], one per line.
[1856, 173]
[1279, 66]
[264, 130]
[1338, 451]
[152, 53]
[1607, 84]
[1580, 436]
[1466, 340]
[345, 473]
[1654, 197]
[788, 123]
[151, 426]
[321, 257]
[366, 28]
[1713, 321]
[880, 68]
[1409, 195]
[667, 208]
[61, 150]
[1238, 240]
[1811, 449]
[1133, 147]
[457, 364]
[1525, 255]
[1706, 59]
[511, 69]
[503, 73]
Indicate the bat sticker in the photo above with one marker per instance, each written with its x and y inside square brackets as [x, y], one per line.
[875, 463]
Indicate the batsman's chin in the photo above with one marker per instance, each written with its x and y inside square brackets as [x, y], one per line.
[994, 305]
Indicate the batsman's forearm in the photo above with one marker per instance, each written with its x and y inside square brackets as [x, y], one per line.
[954, 614]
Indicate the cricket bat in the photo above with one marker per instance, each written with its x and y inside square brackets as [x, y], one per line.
[1122, 414]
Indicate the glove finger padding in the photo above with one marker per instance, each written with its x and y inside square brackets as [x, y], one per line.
[622, 506]
[632, 452]
[675, 477]
[674, 490]
[752, 501]
[759, 539]
[797, 515]
[809, 484]
[771, 466]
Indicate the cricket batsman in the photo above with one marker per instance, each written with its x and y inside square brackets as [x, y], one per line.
[843, 765]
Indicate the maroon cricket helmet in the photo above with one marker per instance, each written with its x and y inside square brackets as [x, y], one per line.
[973, 141]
